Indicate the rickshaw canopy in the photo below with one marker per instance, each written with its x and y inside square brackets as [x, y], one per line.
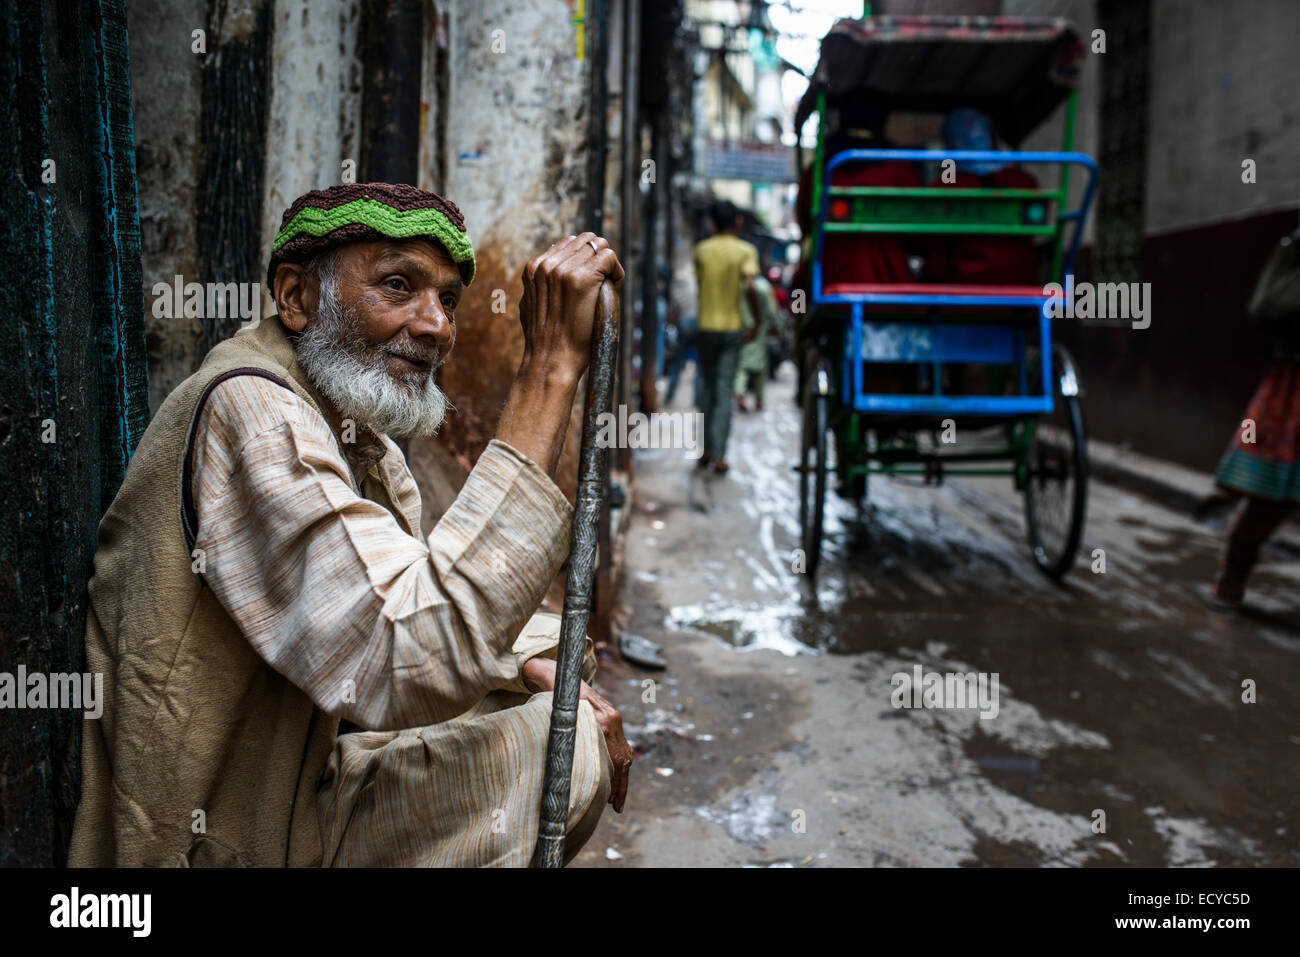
[1015, 69]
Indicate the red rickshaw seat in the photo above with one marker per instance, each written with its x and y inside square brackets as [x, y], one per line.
[930, 289]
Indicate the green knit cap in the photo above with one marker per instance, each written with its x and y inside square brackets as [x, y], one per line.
[363, 212]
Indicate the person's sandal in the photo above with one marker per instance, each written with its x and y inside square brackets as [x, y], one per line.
[641, 651]
[703, 462]
[721, 466]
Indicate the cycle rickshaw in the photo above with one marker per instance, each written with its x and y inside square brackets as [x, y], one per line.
[891, 372]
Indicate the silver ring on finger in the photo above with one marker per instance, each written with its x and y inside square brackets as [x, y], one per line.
[592, 244]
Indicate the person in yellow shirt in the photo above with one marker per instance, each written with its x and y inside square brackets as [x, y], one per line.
[725, 267]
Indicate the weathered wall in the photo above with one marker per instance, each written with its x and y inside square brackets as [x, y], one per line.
[508, 144]
[236, 85]
[298, 120]
[517, 132]
[314, 119]
[1178, 389]
[1224, 78]
[166, 82]
[1222, 89]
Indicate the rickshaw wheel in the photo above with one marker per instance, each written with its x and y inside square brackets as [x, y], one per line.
[1056, 486]
[812, 461]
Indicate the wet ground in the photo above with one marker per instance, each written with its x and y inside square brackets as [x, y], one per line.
[1121, 735]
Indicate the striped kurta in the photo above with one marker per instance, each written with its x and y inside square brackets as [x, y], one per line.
[421, 641]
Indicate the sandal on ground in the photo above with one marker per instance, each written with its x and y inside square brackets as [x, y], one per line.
[641, 651]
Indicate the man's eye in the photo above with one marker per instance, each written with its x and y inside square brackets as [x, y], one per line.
[449, 302]
[396, 282]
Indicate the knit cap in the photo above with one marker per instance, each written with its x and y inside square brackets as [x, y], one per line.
[363, 212]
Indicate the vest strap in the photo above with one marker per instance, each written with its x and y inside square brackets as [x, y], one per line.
[189, 513]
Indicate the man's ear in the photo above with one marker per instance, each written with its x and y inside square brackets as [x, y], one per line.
[296, 296]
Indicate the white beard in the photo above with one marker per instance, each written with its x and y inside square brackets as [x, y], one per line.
[352, 374]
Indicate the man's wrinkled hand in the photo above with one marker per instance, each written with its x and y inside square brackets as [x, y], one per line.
[559, 301]
[538, 674]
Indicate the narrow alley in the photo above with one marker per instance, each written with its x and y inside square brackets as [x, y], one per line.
[771, 739]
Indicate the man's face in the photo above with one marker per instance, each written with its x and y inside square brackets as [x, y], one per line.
[404, 295]
[381, 324]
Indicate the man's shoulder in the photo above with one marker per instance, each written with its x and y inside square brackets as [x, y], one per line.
[719, 248]
[177, 416]
[738, 246]
[245, 403]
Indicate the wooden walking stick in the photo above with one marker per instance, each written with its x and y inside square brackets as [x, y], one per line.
[577, 587]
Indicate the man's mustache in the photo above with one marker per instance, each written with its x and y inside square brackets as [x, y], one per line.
[426, 355]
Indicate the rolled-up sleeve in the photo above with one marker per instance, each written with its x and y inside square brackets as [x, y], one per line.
[376, 626]
[541, 639]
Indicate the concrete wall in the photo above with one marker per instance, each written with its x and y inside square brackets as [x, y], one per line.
[314, 119]
[1221, 89]
[1224, 83]
[517, 134]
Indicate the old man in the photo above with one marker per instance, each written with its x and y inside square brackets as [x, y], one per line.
[261, 576]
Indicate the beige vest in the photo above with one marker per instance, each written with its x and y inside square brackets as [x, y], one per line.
[203, 754]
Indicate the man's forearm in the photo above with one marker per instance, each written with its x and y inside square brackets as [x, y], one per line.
[536, 417]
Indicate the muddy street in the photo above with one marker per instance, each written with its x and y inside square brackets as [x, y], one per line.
[1120, 736]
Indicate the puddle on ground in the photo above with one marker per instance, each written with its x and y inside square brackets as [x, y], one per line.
[750, 817]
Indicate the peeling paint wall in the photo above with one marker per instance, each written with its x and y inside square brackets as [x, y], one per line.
[504, 134]
[313, 117]
[315, 113]
[166, 80]
[517, 135]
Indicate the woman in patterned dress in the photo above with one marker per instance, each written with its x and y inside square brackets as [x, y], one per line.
[1263, 464]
